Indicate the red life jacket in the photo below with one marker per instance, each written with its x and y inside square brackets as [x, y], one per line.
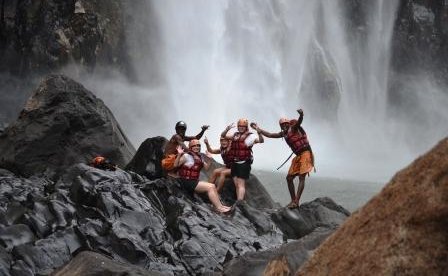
[194, 171]
[239, 150]
[297, 141]
[227, 157]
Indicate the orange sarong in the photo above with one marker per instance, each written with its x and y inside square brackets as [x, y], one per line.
[168, 162]
[301, 164]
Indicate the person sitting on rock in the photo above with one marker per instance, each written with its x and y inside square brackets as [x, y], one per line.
[190, 163]
[303, 163]
[241, 150]
[102, 163]
[175, 141]
[226, 155]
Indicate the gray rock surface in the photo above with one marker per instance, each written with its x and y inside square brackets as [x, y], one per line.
[62, 124]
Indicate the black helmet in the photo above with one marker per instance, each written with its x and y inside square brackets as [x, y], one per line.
[181, 124]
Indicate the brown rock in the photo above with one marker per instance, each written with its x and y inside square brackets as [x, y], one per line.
[401, 231]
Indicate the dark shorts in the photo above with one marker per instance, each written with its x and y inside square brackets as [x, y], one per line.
[188, 184]
[241, 170]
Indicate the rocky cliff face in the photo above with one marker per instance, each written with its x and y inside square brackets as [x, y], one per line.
[402, 230]
[420, 38]
[43, 36]
[39, 37]
[135, 225]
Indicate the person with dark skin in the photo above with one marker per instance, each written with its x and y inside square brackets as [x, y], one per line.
[190, 163]
[303, 163]
[222, 172]
[175, 141]
[242, 142]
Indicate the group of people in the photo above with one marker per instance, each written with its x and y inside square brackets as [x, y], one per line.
[185, 163]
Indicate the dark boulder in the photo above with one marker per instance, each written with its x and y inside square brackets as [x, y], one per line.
[62, 124]
[147, 159]
[321, 212]
[278, 261]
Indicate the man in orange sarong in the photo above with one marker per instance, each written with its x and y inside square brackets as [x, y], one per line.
[303, 163]
[177, 140]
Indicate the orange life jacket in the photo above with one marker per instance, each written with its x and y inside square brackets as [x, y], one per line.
[239, 150]
[194, 171]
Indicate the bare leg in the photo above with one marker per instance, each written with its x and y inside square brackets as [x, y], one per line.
[209, 188]
[240, 185]
[215, 175]
[292, 191]
[222, 179]
[301, 187]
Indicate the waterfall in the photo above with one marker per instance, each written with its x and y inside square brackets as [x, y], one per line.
[212, 62]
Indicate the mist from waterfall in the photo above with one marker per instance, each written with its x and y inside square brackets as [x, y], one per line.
[212, 62]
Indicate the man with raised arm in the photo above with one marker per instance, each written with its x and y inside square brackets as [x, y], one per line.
[177, 140]
[303, 163]
[242, 142]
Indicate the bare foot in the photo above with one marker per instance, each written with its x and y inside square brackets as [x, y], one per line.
[224, 209]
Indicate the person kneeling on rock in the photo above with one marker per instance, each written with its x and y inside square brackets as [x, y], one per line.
[190, 163]
[102, 163]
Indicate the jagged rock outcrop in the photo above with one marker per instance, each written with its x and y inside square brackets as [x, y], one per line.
[147, 159]
[311, 224]
[62, 124]
[152, 224]
[278, 261]
[401, 231]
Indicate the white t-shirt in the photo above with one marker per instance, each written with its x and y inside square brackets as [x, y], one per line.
[189, 160]
[250, 139]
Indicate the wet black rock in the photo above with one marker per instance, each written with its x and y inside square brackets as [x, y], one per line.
[62, 124]
[89, 263]
[155, 225]
[147, 159]
[258, 196]
[287, 258]
[321, 212]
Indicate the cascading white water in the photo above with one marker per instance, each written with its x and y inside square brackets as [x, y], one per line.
[212, 62]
